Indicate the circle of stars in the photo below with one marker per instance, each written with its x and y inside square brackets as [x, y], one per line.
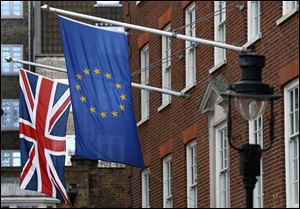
[107, 76]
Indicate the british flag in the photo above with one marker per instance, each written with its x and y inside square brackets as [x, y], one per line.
[44, 108]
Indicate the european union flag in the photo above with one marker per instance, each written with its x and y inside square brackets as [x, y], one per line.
[100, 85]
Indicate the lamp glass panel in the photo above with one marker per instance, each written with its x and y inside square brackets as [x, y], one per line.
[250, 109]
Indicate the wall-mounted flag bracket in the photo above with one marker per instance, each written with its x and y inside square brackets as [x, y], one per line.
[146, 29]
[135, 85]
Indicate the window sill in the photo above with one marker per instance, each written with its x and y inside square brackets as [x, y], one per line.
[9, 74]
[11, 17]
[287, 16]
[163, 106]
[9, 129]
[253, 41]
[217, 66]
[142, 121]
[186, 89]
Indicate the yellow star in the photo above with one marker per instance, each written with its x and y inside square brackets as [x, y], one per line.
[123, 97]
[97, 71]
[83, 99]
[78, 76]
[86, 71]
[77, 87]
[103, 114]
[114, 114]
[118, 85]
[108, 76]
[122, 107]
[92, 109]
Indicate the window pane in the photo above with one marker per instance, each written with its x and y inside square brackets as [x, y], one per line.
[17, 55]
[296, 121]
[10, 51]
[4, 4]
[17, 8]
[16, 49]
[5, 162]
[193, 197]
[291, 101]
[16, 159]
[71, 145]
[4, 8]
[5, 159]
[297, 110]
[16, 114]
[5, 119]
[4, 11]
[296, 98]
[5, 54]
[295, 162]
[292, 123]
[5, 67]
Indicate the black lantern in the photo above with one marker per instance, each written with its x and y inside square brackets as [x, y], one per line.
[251, 97]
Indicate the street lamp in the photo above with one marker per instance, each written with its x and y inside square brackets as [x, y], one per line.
[251, 97]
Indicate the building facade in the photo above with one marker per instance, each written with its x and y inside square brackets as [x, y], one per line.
[29, 34]
[189, 162]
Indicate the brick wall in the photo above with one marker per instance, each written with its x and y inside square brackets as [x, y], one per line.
[96, 187]
[13, 31]
[50, 35]
[280, 45]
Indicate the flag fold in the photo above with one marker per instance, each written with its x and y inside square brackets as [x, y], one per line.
[44, 108]
[100, 85]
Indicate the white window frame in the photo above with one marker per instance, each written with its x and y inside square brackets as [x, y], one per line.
[108, 4]
[11, 157]
[253, 22]
[220, 34]
[222, 165]
[12, 66]
[146, 188]
[288, 6]
[145, 94]
[288, 9]
[166, 68]
[29, 202]
[290, 138]
[256, 137]
[167, 182]
[70, 149]
[190, 52]
[191, 158]
[11, 15]
[11, 127]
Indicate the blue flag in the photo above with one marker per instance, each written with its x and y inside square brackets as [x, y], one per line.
[100, 85]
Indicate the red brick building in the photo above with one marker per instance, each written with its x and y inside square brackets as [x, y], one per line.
[188, 160]
[29, 34]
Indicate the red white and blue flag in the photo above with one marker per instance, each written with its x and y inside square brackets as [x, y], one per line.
[44, 108]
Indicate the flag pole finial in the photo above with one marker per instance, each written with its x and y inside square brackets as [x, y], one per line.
[8, 59]
[45, 7]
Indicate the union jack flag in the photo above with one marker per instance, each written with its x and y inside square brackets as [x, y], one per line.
[44, 108]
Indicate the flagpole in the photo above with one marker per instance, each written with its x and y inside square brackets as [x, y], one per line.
[146, 29]
[136, 85]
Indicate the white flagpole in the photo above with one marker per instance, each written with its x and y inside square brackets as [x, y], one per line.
[146, 29]
[136, 85]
